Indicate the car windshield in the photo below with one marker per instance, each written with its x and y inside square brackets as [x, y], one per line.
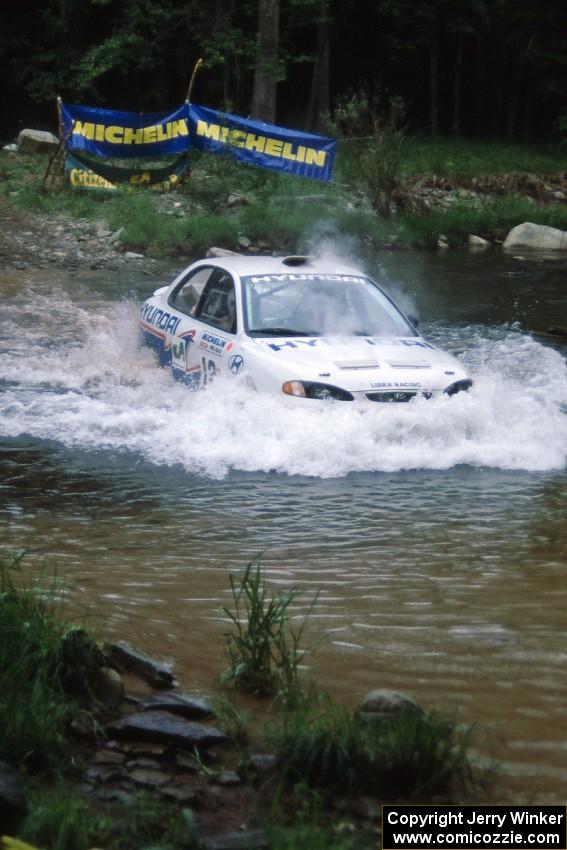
[319, 305]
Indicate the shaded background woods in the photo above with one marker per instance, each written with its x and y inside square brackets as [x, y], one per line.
[483, 68]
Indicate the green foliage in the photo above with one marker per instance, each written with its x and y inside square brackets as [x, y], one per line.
[373, 163]
[492, 219]
[263, 651]
[290, 214]
[232, 720]
[407, 756]
[46, 667]
[454, 158]
[309, 835]
[61, 817]
[202, 231]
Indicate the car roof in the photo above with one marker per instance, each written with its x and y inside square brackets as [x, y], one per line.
[261, 265]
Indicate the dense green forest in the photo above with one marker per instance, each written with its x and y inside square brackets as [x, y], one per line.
[477, 68]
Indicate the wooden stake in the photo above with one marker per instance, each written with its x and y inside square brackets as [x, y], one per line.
[198, 64]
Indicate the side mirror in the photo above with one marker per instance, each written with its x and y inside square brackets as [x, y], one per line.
[414, 320]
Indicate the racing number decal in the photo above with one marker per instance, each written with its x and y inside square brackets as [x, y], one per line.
[209, 370]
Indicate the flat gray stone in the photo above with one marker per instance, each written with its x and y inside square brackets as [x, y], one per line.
[182, 794]
[147, 777]
[124, 657]
[227, 779]
[145, 748]
[222, 252]
[98, 774]
[186, 762]
[160, 726]
[186, 705]
[263, 762]
[114, 795]
[108, 757]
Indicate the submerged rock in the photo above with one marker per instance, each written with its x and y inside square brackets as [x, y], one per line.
[387, 703]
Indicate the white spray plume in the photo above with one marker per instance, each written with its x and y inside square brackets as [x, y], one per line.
[325, 242]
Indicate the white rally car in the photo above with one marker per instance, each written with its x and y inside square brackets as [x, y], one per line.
[294, 325]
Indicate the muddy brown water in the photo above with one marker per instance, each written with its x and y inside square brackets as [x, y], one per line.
[436, 536]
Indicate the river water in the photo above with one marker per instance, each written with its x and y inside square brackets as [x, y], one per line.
[435, 533]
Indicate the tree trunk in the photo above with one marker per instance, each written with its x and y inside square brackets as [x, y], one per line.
[434, 85]
[320, 94]
[266, 71]
[457, 87]
[481, 117]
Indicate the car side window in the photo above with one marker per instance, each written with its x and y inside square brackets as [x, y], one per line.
[217, 306]
[187, 294]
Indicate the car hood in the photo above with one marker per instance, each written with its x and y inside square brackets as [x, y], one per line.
[362, 362]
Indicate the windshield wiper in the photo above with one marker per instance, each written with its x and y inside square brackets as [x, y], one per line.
[281, 332]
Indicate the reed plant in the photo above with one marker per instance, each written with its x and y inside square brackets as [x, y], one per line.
[408, 756]
[263, 650]
[62, 817]
[47, 667]
[306, 834]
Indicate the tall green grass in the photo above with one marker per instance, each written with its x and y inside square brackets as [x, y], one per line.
[453, 157]
[263, 649]
[62, 817]
[411, 755]
[46, 667]
[286, 211]
[310, 835]
[493, 220]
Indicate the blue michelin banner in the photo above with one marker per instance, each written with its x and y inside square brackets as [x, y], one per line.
[266, 145]
[107, 133]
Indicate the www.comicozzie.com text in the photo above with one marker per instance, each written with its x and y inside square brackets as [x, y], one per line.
[488, 827]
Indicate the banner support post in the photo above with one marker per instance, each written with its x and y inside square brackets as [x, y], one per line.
[198, 64]
[59, 147]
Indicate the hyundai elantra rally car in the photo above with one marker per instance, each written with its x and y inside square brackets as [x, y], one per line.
[303, 327]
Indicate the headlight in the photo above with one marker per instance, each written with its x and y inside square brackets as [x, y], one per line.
[458, 387]
[310, 389]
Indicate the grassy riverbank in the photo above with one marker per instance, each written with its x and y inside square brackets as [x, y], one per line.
[448, 187]
[330, 766]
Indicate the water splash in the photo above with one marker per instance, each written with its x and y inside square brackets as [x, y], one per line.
[78, 377]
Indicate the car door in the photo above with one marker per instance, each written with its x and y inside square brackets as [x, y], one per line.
[184, 299]
[211, 330]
